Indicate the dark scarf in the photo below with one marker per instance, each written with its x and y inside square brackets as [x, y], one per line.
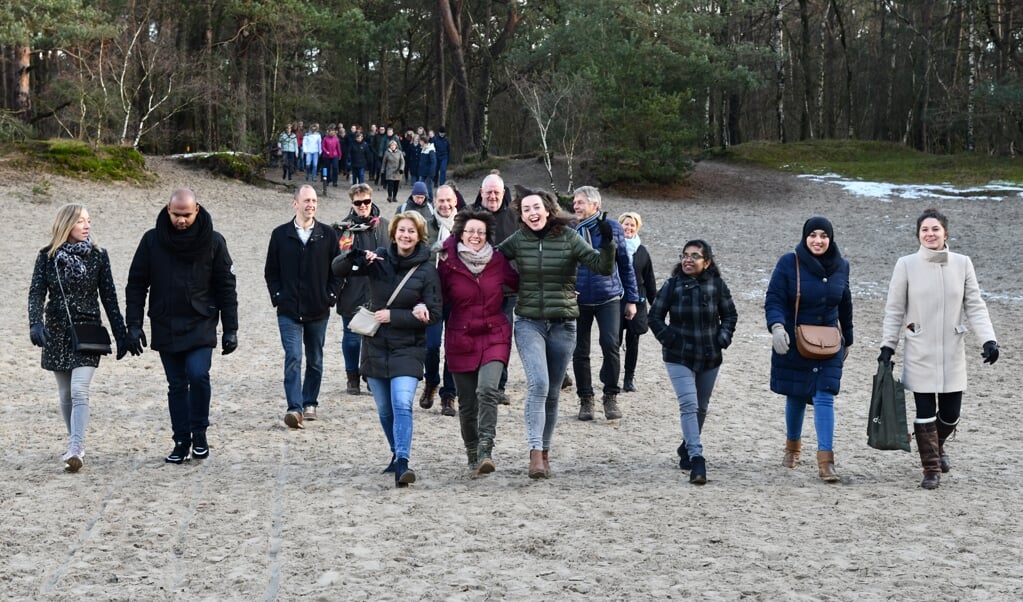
[190, 244]
[69, 258]
[356, 223]
[823, 265]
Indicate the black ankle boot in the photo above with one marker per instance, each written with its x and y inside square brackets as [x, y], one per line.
[698, 476]
[403, 475]
[391, 466]
[683, 457]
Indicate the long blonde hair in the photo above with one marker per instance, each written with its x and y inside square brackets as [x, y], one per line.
[67, 217]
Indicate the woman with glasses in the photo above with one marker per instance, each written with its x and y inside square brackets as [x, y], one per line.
[477, 343]
[693, 317]
[363, 228]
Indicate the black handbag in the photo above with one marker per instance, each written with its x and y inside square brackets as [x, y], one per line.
[91, 339]
[886, 423]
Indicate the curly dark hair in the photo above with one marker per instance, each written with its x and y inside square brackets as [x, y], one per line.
[463, 216]
[550, 202]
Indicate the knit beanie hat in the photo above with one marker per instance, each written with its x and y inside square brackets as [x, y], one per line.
[420, 188]
[818, 223]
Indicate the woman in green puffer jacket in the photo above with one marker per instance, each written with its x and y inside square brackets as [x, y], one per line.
[548, 254]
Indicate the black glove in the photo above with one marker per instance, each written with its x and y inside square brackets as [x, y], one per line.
[990, 353]
[122, 347]
[724, 339]
[136, 340]
[229, 342]
[604, 227]
[886, 355]
[38, 334]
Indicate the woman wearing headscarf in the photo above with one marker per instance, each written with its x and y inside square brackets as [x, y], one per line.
[825, 300]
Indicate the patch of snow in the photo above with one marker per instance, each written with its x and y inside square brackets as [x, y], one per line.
[885, 191]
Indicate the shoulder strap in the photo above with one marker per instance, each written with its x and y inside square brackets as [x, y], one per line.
[795, 318]
[401, 284]
[56, 270]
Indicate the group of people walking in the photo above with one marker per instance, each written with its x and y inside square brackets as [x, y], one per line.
[383, 156]
[400, 283]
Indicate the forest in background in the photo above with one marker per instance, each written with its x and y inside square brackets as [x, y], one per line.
[635, 90]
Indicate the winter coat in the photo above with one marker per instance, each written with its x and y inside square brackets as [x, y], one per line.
[289, 142]
[188, 293]
[83, 299]
[331, 147]
[360, 155]
[427, 163]
[547, 269]
[311, 143]
[442, 145]
[364, 235]
[826, 300]
[476, 332]
[411, 151]
[393, 164]
[701, 320]
[935, 292]
[298, 275]
[597, 289]
[646, 284]
[399, 346]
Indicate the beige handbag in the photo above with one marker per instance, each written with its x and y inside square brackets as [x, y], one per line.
[364, 321]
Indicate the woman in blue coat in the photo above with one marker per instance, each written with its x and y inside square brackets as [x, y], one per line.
[824, 300]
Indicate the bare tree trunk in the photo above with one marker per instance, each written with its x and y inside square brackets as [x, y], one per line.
[22, 88]
[805, 129]
[822, 75]
[461, 76]
[971, 82]
[779, 71]
[210, 119]
[442, 87]
[848, 92]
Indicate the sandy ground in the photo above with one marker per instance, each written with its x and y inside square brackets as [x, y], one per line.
[286, 515]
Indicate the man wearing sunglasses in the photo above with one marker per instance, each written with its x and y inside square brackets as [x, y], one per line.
[362, 229]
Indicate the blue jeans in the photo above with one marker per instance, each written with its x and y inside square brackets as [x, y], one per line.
[295, 335]
[545, 348]
[312, 161]
[393, 397]
[442, 170]
[608, 317]
[188, 390]
[434, 339]
[823, 418]
[358, 175]
[351, 346]
[332, 164]
[693, 391]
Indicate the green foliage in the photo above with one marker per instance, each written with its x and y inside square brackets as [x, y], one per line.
[13, 129]
[879, 161]
[645, 141]
[77, 159]
[239, 166]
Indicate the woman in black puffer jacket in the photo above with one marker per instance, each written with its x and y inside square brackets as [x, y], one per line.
[393, 359]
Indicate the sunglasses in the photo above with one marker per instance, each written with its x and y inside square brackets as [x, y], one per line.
[363, 202]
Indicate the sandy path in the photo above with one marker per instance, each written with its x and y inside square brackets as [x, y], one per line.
[286, 515]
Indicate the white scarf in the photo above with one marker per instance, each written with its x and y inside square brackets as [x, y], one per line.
[631, 244]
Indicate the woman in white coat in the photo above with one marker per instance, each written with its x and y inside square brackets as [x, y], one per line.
[932, 296]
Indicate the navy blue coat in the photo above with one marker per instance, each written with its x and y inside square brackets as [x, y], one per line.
[825, 300]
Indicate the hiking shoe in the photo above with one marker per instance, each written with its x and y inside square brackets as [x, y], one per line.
[309, 413]
[611, 411]
[586, 407]
[73, 460]
[503, 399]
[567, 382]
[200, 448]
[293, 419]
[180, 453]
[429, 392]
[447, 404]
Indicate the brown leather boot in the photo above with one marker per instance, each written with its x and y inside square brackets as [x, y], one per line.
[792, 450]
[930, 458]
[536, 470]
[447, 405]
[944, 432]
[429, 392]
[546, 465]
[826, 467]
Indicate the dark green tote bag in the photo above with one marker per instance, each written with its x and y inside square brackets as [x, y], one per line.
[886, 425]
